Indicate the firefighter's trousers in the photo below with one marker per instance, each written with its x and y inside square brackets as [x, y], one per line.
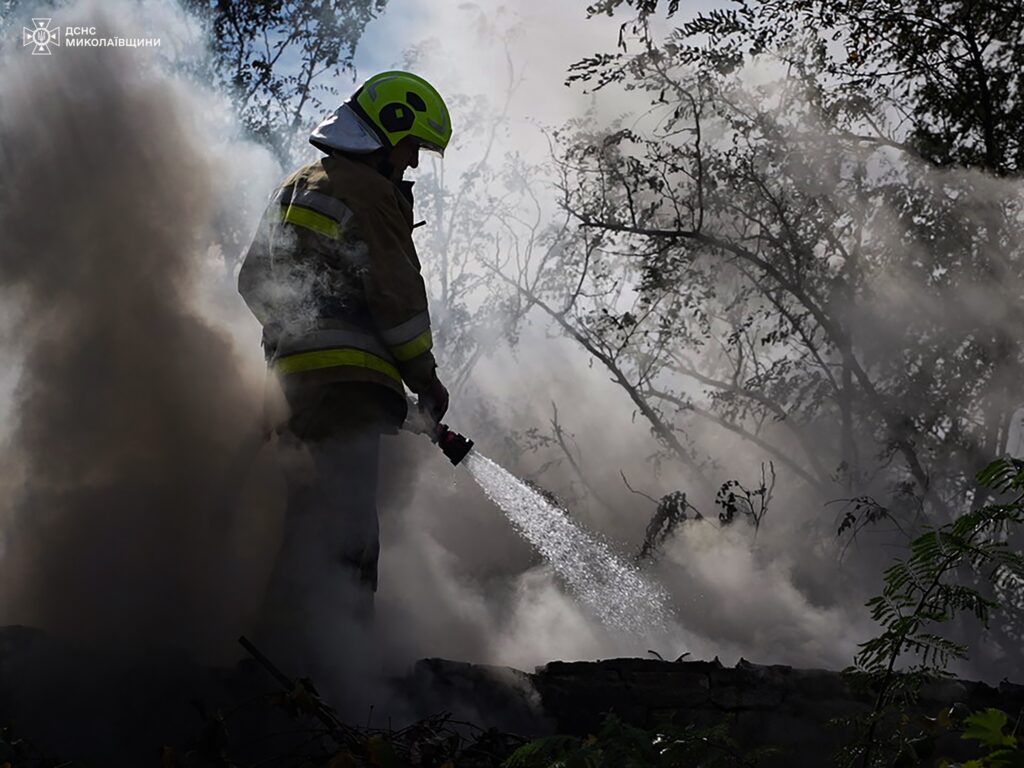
[319, 600]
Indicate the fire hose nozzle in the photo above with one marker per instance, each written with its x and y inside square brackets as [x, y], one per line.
[452, 444]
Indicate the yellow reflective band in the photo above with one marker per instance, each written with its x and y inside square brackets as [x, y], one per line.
[330, 358]
[413, 348]
[303, 217]
[406, 331]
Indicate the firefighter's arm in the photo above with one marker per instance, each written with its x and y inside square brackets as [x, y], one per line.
[255, 278]
[397, 298]
[296, 244]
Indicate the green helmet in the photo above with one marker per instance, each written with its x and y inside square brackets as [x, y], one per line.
[400, 104]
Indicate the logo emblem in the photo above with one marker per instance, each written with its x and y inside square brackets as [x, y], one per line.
[40, 36]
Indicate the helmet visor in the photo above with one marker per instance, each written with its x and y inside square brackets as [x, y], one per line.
[429, 146]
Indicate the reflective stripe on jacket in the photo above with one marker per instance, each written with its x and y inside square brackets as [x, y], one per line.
[333, 276]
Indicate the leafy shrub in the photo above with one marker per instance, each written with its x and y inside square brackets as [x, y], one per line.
[618, 745]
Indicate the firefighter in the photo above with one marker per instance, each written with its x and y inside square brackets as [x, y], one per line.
[333, 277]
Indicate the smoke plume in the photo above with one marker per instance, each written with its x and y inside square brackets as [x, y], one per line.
[130, 402]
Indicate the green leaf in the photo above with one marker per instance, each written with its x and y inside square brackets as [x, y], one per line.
[987, 727]
[542, 752]
[1005, 758]
[1002, 475]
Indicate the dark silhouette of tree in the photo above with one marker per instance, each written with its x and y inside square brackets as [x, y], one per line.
[820, 260]
[282, 60]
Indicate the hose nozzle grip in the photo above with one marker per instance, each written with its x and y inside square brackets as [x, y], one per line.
[452, 444]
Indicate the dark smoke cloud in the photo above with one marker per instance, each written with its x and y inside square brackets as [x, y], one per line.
[130, 405]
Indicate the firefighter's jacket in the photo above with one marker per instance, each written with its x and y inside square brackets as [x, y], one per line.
[333, 276]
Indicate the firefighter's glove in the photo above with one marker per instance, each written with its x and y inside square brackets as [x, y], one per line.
[435, 400]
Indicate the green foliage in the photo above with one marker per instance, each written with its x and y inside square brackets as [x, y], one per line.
[619, 745]
[987, 727]
[922, 591]
[1003, 476]
[753, 229]
[954, 69]
[280, 59]
[990, 729]
[736, 500]
[861, 511]
[668, 516]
